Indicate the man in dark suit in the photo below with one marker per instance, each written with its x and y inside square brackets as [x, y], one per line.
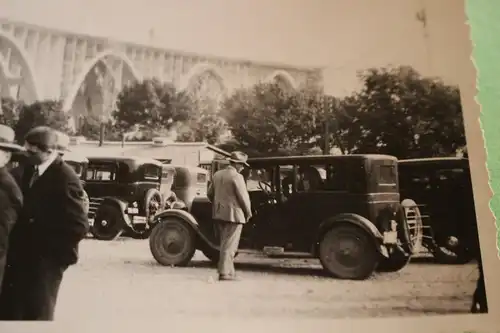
[11, 198]
[51, 225]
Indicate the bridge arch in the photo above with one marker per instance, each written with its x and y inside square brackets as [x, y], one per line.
[69, 100]
[29, 80]
[199, 70]
[284, 76]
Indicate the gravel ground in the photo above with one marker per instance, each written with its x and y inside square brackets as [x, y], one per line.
[120, 279]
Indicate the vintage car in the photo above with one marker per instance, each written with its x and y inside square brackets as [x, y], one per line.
[125, 193]
[344, 210]
[188, 182]
[443, 188]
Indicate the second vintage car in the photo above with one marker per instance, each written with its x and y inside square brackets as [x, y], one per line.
[187, 183]
[443, 188]
[125, 193]
[344, 210]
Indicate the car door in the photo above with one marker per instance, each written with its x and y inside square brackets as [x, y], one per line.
[105, 179]
[259, 231]
[273, 218]
[312, 201]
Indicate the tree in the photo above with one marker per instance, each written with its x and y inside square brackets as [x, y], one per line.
[90, 128]
[401, 113]
[205, 124]
[10, 111]
[267, 120]
[151, 105]
[41, 113]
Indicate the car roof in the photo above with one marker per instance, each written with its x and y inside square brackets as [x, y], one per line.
[75, 158]
[133, 159]
[431, 160]
[187, 167]
[311, 158]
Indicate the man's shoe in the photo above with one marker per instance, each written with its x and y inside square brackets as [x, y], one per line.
[228, 278]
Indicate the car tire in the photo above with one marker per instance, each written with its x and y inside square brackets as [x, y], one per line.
[366, 259]
[172, 242]
[108, 223]
[413, 224]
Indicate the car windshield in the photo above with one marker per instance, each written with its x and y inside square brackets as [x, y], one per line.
[256, 176]
[450, 174]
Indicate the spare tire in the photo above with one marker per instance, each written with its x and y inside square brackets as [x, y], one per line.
[412, 229]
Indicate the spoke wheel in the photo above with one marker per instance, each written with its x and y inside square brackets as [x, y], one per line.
[172, 242]
[108, 224]
[348, 252]
[414, 225]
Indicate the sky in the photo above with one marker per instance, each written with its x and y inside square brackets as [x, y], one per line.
[343, 36]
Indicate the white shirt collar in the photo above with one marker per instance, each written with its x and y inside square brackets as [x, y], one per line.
[45, 165]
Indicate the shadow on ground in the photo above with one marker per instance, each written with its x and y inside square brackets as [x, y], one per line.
[271, 268]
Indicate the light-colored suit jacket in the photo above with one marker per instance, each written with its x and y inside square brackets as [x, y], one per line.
[229, 196]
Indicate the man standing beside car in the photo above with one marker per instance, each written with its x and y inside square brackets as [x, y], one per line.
[231, 210]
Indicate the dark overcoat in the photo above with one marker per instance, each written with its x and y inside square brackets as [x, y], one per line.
[11, 201]
[44, 241]
[53, 220]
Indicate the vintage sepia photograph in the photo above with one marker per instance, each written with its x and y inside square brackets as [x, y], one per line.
[235, 159]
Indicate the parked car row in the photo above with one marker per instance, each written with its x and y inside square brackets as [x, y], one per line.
[356, 213]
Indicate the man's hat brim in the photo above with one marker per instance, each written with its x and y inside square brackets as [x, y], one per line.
[11, 147]
[238, 161]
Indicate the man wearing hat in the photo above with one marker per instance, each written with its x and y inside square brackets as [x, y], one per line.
[11, 198]
[231, 210]
[50, 227]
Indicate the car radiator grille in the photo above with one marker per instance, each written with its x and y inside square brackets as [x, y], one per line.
[94, 205]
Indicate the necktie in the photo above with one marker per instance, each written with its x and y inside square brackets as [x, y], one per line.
[35, 176]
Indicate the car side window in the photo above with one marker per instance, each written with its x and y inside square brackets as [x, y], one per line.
[287, 181]
[257, 178]
[101, 172]
[151, 172]
[310, 178]
[415, 180]
[336, 179]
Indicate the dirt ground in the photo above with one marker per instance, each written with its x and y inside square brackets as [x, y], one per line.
[121, 279]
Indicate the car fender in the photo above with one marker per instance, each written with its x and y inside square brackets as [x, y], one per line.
[354, 219]
[117, 203]
[189, 219]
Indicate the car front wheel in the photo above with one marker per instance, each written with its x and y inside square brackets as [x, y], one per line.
[348, 252]
[108, 223]
[172, 242]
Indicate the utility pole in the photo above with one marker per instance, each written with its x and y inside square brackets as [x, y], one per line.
[421, 16]
[326, 110]
[107, 103]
